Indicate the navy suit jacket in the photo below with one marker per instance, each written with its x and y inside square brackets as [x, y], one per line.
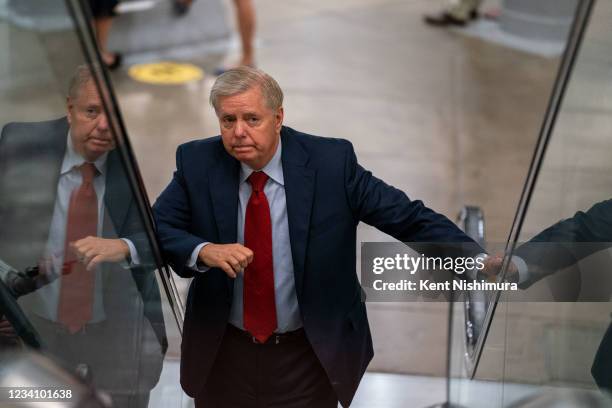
[328, 193]
[564, 244]
[567, 242]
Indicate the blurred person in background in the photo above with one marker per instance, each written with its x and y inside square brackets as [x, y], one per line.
[245, 18]
[456, 13]
[103, 12]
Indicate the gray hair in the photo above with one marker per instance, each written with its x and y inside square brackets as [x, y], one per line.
[241, 79]
[81, 76]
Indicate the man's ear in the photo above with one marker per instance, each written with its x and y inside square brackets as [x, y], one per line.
[69, 106]
[278, 117]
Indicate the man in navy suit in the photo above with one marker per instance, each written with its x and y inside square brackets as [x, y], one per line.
[264, 218]
[118, 329]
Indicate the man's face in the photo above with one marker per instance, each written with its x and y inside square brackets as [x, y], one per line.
[91, 136]
[249, 128]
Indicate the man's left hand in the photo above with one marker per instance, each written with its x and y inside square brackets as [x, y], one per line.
[92, 251]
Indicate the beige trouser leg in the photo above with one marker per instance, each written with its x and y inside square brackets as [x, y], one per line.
[461, 9]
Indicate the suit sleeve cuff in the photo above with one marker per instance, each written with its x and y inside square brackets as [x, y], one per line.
[194, 263]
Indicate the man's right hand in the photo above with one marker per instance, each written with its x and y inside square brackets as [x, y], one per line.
[232, 258]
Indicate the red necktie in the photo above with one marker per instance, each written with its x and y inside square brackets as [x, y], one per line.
[76, 295]
[258, 294]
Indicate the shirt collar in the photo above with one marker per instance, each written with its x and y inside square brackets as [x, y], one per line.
[72, 159]
[274, 168]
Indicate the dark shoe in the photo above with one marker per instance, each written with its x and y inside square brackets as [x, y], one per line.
[116, 62]
[443, 19]
[181, 7]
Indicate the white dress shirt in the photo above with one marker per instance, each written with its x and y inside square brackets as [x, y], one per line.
[47, 297]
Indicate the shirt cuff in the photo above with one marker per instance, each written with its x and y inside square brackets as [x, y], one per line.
[521, 267]
[134, 259]
[194, 262]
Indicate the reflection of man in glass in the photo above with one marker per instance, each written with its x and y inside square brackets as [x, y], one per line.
[67, 207]
[557, 247]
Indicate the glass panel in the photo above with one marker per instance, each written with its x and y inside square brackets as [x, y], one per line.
[77, 248]
[495, 384]
[563, 313]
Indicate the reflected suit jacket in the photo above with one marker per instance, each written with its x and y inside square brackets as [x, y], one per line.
[564, 244]
[567, 242]
[327, 194]
[31, 156]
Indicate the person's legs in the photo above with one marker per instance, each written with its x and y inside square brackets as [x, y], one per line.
[103, 12]
[245, 18]
[181, 7]
[102, 26]
[458, 13]
[231, 382]
[293, 377]
[464, 9]
[283, 375]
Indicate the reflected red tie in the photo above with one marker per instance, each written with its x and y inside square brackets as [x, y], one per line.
[76, 295]
[258, 294]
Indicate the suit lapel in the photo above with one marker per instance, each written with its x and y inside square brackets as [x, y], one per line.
[299, 192]
[223, 184]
